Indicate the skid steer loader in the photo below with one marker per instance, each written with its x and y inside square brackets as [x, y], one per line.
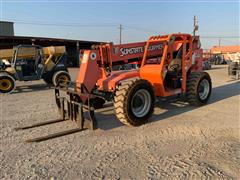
[32, 62]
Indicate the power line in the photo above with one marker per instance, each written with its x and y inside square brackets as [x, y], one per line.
[122, 1]
[64, 24]
[140, 29]
[217, 37]
[42, 23]
[232, 41]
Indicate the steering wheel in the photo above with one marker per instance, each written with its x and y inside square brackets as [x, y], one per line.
[174, 67]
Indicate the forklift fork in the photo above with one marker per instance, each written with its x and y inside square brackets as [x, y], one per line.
[75, 110]
[69, 109]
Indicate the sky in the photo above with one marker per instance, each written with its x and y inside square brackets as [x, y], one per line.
[99, 20]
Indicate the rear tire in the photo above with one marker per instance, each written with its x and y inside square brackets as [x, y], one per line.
[61, 76]
[134, 102]
[232, 68]
[199, 88]
[48, 81]
[7, 83]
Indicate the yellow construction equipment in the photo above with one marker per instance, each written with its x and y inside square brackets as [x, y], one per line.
[32, 62]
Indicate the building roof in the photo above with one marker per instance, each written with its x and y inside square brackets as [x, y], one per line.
[47, 39]
[10, 41]
[6, 22]
[225, 49]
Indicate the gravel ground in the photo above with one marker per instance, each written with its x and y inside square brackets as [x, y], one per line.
[179, 142]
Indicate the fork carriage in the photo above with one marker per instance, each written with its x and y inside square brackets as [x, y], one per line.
[72, 106]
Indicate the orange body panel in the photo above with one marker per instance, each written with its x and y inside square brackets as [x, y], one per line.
[110, 82]
[89, 71]
[135, 50]
[153, 74]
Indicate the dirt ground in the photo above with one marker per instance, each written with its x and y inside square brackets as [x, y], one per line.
[179, 142]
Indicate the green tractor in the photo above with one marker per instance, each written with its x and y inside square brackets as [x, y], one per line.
[30, 63]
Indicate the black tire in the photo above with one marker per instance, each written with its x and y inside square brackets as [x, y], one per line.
[206, 66]
[199, 88]
[61, 75]
[48, 80]
[126, 97]
[232, 68]
[7, 83]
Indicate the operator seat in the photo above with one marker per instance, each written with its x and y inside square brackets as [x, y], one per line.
[175, 65]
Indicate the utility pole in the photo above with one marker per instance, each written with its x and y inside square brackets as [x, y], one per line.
[195, 25]
[219, 42]
[78, 54]
[33, 41]
[120, 34]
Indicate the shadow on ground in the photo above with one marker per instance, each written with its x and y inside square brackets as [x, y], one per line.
[172, 106]
[31, 88]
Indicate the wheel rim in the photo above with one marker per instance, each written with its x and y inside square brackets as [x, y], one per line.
[5, 84]
[141, 103]
[204, 89]
[62, 78]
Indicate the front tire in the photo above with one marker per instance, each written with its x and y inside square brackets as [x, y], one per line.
[199, 88]
[7, 83]
[134, 102]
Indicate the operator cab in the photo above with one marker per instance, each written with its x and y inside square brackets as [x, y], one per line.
[173, 78]
[28, 62]
[173, 66]
[168, 74]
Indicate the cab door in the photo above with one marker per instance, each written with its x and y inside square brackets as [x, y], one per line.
[39, 62]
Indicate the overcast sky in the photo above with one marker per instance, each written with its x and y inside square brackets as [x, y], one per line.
[99, 20]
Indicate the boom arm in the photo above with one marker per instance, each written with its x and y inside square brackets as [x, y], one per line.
[94, 62]
[109, 55]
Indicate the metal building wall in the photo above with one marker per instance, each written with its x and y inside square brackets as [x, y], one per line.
[6, 28]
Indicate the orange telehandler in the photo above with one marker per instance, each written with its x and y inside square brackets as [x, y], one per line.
[167, 65]
[163, 66]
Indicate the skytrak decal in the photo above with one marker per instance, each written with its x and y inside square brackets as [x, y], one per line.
[135, 50]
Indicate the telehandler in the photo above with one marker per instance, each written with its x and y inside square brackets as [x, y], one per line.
[32, 62]
[167, 65]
